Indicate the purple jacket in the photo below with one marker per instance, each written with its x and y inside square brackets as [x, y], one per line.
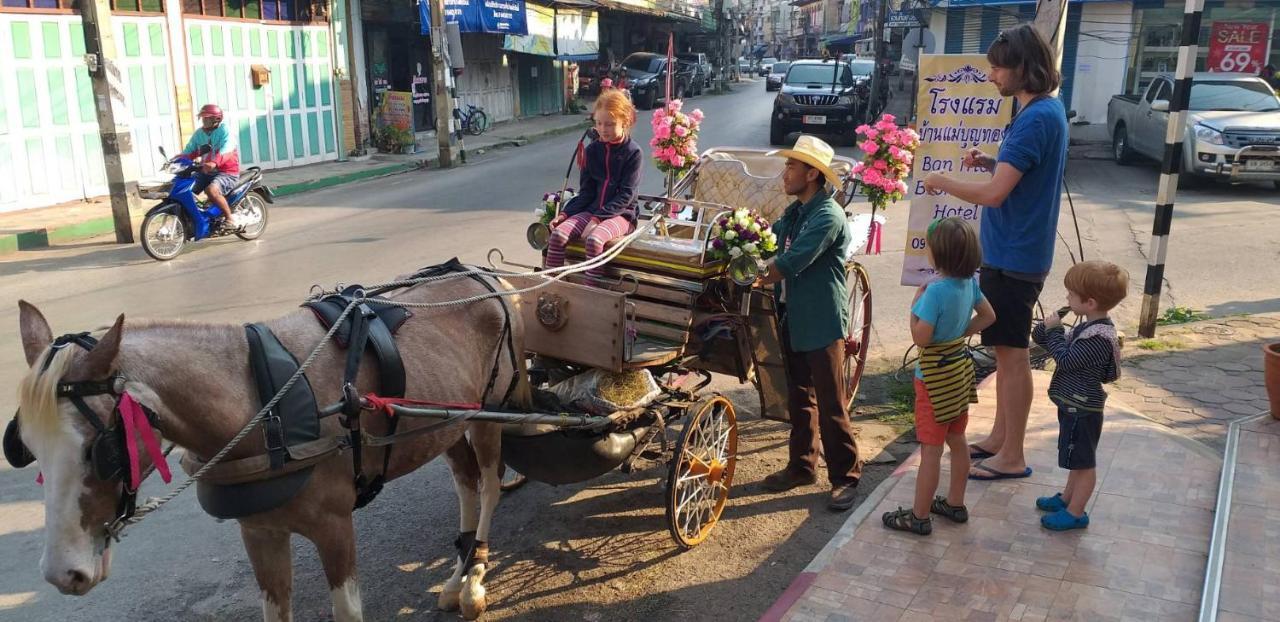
[610, 181]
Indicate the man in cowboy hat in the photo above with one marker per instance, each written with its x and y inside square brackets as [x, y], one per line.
[814, 313]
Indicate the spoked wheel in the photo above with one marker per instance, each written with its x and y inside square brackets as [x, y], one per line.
[858, 341]
[702, 470]
[253, 211]
[163, 235]
[478, 123]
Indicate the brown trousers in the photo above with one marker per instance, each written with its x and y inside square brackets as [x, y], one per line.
[817, 405]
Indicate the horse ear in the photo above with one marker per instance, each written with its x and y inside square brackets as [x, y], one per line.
[102, 357]
[36, 335]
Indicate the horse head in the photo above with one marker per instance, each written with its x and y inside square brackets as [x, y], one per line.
[69, 420]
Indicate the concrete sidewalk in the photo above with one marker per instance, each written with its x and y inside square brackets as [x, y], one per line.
[68, 222]
[1142, 558]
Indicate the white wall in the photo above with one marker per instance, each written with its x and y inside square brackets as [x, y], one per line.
[1101, 59]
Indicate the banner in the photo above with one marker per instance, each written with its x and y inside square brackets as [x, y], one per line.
[541, 23]
[1238, 47]
[500, 17]
[958, 109]
[577, 34]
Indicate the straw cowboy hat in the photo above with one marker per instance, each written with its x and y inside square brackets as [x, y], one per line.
[816, 153]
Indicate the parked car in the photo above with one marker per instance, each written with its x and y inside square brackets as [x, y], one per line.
[1232, 127]
[818, 97]
[744, 67]
[777, 72]
[766, 64]
[646, 75]
[702, 72]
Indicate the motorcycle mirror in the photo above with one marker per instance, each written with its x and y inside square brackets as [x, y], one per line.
[744, 270]
[539, 236]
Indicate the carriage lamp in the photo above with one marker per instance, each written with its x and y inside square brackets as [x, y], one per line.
[539, 236]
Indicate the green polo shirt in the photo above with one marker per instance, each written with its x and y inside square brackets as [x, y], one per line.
[814, 237]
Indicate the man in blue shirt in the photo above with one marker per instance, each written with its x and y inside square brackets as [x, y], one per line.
[1019, 220]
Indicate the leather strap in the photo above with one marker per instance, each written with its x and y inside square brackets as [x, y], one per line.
[257, 468]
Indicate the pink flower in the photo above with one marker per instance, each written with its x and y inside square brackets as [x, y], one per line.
[677, 160]
[872, 177]
[881, 165]
[858, 168]
[888, 117]
[682, 131]
[886, 127]
[862, 129]
[891, 139]
[675, 105]
[662, 132]
[895, 152]
[902, 186]
[869, 146]
[606, 84]
[696, 115]
[872, 134]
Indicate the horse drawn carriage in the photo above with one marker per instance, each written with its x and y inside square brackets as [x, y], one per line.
[448, 334]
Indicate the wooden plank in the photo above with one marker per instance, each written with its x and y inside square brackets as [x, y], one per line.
[660, 331]
[667, 314]
[593, 332]
[642, 290]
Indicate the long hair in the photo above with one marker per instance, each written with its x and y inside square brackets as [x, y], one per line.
[1023, 50]
[38, 391]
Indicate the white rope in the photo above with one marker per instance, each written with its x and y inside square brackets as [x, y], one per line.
[115, 530]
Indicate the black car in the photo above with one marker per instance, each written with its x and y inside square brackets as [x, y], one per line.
[817, 97]
[702, 72]
[646, 75]
[777, 71]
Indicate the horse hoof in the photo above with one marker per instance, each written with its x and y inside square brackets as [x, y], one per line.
[474, 609]
[449, 600]
[473, 600]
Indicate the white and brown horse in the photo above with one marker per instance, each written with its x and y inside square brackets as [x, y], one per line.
[196, 380]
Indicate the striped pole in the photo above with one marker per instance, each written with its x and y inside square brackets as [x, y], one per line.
[1168, 188]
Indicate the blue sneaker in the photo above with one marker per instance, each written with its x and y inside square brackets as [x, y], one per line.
[1051, 504]
[1062, 520]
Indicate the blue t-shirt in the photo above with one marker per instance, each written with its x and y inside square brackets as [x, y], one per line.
[1018, 236]
[947, 305]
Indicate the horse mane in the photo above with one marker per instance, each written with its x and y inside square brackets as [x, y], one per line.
[38, 391]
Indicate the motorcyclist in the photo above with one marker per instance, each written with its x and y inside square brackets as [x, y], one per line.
[220, 170]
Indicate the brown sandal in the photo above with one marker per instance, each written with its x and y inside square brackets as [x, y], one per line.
[954, 513]
[905, 520]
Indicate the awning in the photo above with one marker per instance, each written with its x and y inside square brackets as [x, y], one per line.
[841, 39]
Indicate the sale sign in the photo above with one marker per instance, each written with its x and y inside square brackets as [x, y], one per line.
[1238, 47]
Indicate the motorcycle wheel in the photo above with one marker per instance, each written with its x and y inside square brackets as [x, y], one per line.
[253, 209]
[163, 235]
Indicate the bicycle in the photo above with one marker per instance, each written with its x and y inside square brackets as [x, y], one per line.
[473, 120]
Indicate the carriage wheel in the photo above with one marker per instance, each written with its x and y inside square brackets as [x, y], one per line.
[858, 342]
[702, 470]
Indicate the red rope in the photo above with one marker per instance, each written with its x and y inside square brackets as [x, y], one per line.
[384, 404]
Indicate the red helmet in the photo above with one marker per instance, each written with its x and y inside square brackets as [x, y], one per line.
[210, 110]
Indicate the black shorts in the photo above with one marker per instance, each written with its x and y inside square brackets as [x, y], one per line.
[1013, 301]
[1078, 434]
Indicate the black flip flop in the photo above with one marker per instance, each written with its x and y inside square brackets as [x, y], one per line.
[978, 453]
[993, 475]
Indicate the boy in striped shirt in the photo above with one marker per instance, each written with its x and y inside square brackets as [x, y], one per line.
[1087, 357]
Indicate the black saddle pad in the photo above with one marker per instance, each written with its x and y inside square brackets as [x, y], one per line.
[329, 308]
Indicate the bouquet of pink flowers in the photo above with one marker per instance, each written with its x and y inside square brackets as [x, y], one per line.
[890, 151]
[675, 138]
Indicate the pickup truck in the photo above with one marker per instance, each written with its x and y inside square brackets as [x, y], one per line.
[1232, 130]
[646, 76]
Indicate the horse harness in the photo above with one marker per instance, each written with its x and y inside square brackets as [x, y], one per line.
[107, 454]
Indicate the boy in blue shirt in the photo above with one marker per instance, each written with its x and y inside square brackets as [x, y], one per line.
[942, 316]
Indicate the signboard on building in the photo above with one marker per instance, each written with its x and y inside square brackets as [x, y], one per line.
[577, 34]
[959, 108]
[397, 110]
[1238, 47]
[903, 19]
[499, 17]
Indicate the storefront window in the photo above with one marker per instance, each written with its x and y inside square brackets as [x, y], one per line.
[1159, 30]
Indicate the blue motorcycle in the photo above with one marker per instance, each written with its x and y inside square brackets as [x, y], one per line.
[181, 217]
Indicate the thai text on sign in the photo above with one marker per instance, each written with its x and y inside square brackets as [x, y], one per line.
[959, 109]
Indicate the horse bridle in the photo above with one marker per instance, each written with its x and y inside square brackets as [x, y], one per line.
[106, 455]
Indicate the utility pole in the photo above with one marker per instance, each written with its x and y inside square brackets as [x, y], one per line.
[108, 93]
[440, 86]
[877, 79]
[1051, 23]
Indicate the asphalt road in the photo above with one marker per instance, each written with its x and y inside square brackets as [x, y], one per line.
[575, 552]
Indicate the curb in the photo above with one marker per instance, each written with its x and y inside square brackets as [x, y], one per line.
[46, 237]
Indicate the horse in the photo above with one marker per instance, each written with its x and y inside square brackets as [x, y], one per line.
[196, 382]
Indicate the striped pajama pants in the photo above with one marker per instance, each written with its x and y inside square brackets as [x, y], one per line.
[595, 233]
